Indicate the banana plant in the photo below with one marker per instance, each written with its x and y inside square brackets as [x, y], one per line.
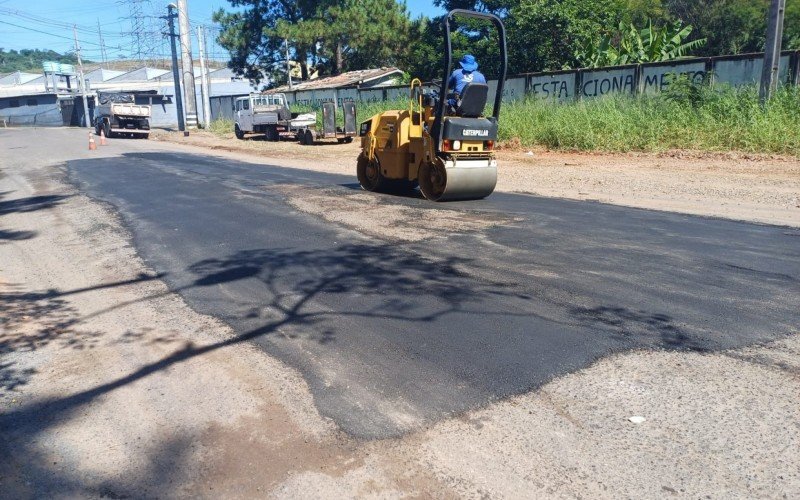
[633, 46]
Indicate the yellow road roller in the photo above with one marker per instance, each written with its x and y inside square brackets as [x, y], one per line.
[446, 149]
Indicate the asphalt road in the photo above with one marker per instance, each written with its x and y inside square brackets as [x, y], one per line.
[391, 335]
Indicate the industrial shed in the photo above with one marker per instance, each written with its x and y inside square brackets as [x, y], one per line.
[29, 99]
[39, 110]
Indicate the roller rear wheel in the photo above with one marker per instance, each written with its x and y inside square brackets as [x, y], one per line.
[369, 174]
[432, 180]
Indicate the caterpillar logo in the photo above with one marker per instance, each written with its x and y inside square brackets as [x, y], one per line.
[476, 133]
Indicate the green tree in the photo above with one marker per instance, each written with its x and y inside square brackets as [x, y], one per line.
[791, 26]
[249, 34]
[640, 12]
[735, 26]
[498, 7]
[730, 26]
[547, 34]
[423, 58]
[353, 34]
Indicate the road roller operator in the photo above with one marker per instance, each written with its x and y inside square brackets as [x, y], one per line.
[442, 143]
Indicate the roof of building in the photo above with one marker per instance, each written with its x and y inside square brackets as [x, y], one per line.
[345, 80]
[102, 74]
[139, 75]
[19, 78]
[220, 73]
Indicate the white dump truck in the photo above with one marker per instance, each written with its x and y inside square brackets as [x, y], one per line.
[118, 115]
[269, 114]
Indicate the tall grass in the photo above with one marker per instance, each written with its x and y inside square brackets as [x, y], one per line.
[713, 120]
[221, 127]
[685, 117]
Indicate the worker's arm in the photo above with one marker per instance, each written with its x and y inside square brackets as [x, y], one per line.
[451, 83]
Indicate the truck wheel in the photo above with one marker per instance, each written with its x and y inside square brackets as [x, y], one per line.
[107, 129]
[272, 134]
[348, 140]
[238, 132]
[309, 137]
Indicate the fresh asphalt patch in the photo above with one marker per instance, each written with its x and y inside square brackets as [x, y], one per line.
[393, 333]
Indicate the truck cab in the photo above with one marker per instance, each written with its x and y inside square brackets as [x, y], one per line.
[269, 114]
[261, 113]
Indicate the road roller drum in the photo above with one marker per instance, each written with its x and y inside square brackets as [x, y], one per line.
[452, 180]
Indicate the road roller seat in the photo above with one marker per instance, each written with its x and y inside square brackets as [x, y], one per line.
[473, 100]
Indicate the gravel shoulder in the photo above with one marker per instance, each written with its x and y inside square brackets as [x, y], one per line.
[98, 397]
[756, 188]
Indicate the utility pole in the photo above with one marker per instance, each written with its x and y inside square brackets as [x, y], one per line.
[288, 67]
[103, 53]
[204, 87]
[82, 82]
[176, 77]
[188, 69]
[772, 51]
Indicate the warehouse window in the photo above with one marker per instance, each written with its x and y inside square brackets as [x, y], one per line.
[32, 102]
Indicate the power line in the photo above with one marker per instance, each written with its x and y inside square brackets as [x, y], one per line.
[51, 22]
[145, 31]
[44, 32]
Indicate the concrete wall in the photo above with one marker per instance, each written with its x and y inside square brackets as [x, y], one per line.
[563, 86]
[656, 77]
[559, 86]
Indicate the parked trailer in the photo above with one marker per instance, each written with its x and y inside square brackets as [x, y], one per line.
[330, 130]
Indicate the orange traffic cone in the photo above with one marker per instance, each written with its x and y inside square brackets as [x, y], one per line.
[92, 145]
[102, 138]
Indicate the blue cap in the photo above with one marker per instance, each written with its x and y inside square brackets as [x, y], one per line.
[468, 62]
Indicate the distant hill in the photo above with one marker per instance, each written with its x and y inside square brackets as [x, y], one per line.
[31, 59]
[132, 64]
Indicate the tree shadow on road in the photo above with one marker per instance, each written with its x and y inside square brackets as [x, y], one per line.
[627, 324]
[29, 204]
[22, 205]
[34, 320]
[290, 282]
[303, 294]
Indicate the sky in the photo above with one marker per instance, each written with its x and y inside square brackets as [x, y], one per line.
[47, 24]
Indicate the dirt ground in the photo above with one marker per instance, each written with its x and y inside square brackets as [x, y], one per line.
[738, 186]
[80, 314]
